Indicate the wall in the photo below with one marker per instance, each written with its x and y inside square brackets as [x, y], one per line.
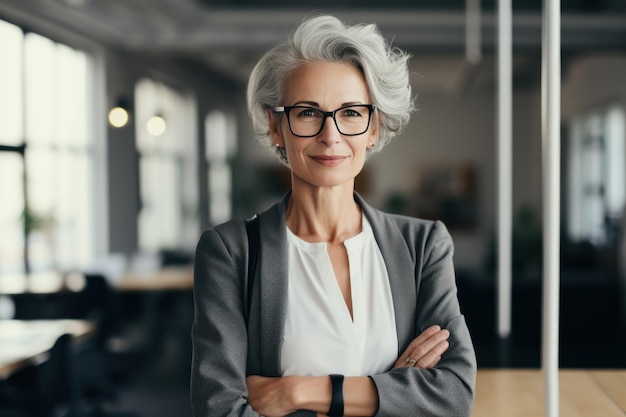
[445, 130]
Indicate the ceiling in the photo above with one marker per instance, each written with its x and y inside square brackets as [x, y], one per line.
[228, 36]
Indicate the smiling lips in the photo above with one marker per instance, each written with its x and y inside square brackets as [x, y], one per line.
[329, 160]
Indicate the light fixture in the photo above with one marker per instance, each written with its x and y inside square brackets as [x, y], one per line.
[119, 115]
[156, 125]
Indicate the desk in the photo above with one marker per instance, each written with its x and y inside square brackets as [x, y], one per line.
[24, 342]
[53, 282]
[165, 297]
[163, 279]
[520, 393]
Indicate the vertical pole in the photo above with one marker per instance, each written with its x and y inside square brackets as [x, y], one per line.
[551, 144]
[505, 165]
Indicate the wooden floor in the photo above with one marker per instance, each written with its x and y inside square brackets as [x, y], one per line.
[520, 393]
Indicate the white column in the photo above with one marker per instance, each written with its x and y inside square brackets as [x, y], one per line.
[551, 141]
[505, 165]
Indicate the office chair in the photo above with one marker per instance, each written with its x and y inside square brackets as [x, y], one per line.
[72, 382]
[50, 388]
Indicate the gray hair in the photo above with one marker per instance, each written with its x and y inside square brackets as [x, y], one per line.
[326, 38]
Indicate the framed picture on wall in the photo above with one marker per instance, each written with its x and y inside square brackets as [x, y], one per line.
[447, 192]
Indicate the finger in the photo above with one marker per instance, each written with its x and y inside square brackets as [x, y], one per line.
[431, 344]
[425, 335]
[418, 350]
[431, 336]
[428, 338]
[432, 364]
[433, 356]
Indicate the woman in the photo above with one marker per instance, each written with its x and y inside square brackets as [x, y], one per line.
[352, 311]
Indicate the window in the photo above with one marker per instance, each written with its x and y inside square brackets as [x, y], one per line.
[221, 145]
[47, 154]
[596, 194]
[12, 239]
[168, 218]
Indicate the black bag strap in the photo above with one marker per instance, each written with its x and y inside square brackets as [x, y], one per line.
[252, 230]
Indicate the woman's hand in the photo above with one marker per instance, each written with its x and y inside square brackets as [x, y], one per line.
[280, 396]
[270, 396]
[425, 350]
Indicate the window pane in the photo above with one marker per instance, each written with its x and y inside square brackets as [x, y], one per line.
[42, 169]
[168, 176]
[221, 144]
[596, 175]
[11, 212]
[58, 159]
[70, 92]
[220, 192]
[161, 214]
[72, 215]
[40, 88]
[11, 39]
[154, 99]
[44, 103]
[616, 155]
[216, 136]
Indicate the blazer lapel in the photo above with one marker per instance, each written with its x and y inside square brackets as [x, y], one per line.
[400, 268]
[273, 282]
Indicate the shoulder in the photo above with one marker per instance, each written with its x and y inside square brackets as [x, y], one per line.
[413, 229]
[226, 239]
[423, 240]
[404, 222]
[429, 229]
[232, 235]
[421, 233]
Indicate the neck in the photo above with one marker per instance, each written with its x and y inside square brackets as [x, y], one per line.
[324, 214]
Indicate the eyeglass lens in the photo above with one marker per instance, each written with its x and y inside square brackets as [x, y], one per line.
[309, 121]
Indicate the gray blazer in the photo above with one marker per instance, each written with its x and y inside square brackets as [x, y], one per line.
[418, 256]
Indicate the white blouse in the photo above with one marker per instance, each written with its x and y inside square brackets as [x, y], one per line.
[320, 337]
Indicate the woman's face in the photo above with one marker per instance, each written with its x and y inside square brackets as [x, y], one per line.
[329, 159]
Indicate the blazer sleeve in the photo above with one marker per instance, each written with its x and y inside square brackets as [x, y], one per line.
[219, 336]
[446, 390]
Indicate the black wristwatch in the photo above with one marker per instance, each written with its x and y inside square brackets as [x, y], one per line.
[336, 404]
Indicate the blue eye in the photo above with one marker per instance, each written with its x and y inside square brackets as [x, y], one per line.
[351, 113]
[306, 113]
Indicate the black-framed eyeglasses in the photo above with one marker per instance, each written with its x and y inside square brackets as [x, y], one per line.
[308, 121]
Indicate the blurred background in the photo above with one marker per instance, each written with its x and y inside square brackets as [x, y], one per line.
[124, 134]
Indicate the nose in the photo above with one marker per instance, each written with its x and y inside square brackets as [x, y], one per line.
[329, 133]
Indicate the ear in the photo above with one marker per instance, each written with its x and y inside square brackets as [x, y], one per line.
[275, 128]
[374, 128]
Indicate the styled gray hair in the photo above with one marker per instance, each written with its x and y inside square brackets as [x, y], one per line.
[326, 38]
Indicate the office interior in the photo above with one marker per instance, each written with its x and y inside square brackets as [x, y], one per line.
[124, 134]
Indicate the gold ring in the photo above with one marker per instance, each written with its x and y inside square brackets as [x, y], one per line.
[410, 362]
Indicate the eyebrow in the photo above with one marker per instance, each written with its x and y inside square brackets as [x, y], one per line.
[316, 104]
